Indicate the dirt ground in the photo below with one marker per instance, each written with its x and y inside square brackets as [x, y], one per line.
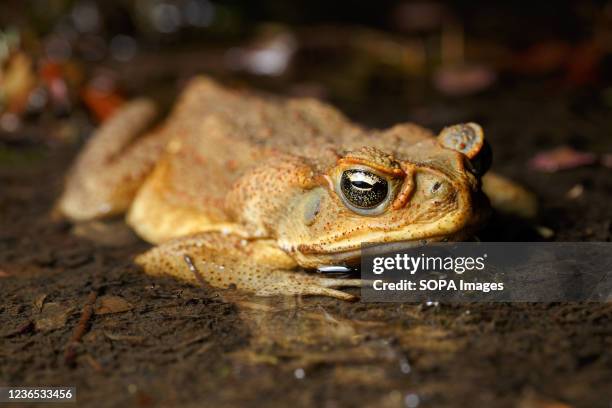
[157, 342]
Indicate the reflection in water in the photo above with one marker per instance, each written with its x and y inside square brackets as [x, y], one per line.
[301, 335]
[304, 333]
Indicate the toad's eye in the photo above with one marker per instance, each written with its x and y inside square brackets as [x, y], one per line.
[363, 189]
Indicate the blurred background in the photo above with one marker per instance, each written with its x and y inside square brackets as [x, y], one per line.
[536, 75]
[66, 56]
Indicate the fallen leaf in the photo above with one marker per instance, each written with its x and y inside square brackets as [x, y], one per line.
[17, 82]
[112, 304]
[106, 233]
[102, 97]
[459, 80]
[530, 400]
[541, 58]
[575, 192]
[561, 158]
[419, 16]
[545, 232]
[52, 316]
[39, 302]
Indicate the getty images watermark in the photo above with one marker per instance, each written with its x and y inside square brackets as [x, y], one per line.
[487, 272]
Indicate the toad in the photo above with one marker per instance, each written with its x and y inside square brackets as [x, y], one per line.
[249, 191]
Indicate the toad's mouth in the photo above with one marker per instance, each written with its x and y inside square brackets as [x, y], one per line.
[353, 255]
[458, 225]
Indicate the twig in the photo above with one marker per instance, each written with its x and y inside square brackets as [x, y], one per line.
[122, 337]
[191, 341]
[24, 328]
[194, 270]
[94, 363]
[80, 329]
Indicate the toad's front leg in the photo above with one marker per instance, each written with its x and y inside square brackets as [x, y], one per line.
[227, 260]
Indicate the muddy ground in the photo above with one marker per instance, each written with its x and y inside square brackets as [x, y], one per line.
[157, 342]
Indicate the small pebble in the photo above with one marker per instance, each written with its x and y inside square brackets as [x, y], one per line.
[299, 373]
[575, 192]
[405, 366]
[412, 400]
[545, 232]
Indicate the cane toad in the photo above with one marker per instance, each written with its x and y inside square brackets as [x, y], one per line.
[247, 190]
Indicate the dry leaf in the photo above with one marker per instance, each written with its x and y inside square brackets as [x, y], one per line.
[39, 302]
[545, 232]
[575, 192]
[463, 79]
[52, 316]
[561, 158]
[106, 233]
[112, 304]
[531, 400]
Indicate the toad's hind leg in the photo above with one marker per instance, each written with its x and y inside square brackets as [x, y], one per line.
[227, 260]
[113, 164]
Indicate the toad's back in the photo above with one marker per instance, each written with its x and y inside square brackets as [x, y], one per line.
[212, 138]
[215, 135]
[304, 127]
[175, 179]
